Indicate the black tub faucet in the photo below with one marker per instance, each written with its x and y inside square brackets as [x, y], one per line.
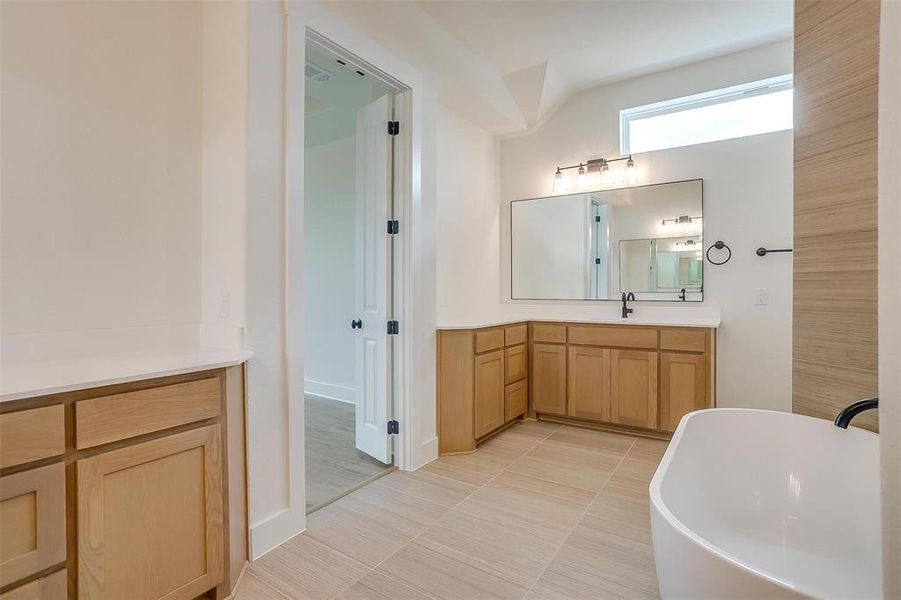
[852, 410]
[626, 310]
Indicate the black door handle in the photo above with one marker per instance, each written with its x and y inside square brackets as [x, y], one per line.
[356, 324]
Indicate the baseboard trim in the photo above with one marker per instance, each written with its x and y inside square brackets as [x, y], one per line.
[276, 530]
[332, 392]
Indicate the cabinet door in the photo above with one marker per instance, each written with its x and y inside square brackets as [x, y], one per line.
[588, 385]
[32, 521]
[517, 363]
[489, 392]
[683, 387]
[150, 519]
[549, 378]
[633, 390]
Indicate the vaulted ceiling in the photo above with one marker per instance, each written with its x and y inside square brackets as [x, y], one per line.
[508, 63]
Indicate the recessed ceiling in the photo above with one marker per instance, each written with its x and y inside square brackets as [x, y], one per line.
[586, 44]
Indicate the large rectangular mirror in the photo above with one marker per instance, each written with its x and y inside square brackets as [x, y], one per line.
[597, 245]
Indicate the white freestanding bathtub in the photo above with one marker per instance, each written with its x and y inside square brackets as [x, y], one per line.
[762, 504]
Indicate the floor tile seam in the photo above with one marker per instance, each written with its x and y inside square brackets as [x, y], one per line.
[579, 520]
[264, 582]
[449, 510]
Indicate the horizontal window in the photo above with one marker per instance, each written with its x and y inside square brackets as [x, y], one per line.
[749, 109]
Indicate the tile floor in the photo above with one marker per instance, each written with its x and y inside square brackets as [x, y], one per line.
[334, 465]
[541, 511]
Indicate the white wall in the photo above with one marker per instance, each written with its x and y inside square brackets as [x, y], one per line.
[101, 165]
[890, 292]
[468, 236]
[329, 269]
[747, 203]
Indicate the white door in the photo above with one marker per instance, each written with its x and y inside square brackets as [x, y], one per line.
[373, 194]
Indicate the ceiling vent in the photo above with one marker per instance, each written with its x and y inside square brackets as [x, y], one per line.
[315, 73]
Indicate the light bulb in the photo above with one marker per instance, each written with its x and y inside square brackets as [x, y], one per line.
[631, 171]
[583, 178]
[606, 175]
[559, 182]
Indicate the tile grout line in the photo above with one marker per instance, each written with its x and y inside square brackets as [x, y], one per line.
[427, 527]
[582, 516]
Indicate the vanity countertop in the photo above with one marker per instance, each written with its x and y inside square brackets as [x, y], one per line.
[706, 321]
[35, 378]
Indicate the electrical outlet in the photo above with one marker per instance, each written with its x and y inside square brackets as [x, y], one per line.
[224, 305]
[761, 297]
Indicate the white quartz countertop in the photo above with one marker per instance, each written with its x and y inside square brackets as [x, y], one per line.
[33, 378]
[711, 321]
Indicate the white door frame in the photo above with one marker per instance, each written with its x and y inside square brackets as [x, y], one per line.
[414, 265]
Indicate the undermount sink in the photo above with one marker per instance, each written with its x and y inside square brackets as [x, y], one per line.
[763, 504]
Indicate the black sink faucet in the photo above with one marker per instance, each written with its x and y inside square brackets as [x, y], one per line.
[626, 310]
[852, 410]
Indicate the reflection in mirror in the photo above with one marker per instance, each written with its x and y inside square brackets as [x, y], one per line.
[597, 245]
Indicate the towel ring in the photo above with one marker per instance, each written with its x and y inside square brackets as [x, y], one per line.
[719, 245]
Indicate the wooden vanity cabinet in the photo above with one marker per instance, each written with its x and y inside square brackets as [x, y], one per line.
[482, 375]
[138, 499]
[634, 378]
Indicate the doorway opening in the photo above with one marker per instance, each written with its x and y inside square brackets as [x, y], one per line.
[349, 276]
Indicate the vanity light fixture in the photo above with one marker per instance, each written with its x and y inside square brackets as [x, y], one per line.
[596, 172]
[680, 220]
[559, 182]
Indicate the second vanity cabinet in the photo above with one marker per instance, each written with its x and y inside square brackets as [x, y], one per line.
[636, 378]
[482, 381]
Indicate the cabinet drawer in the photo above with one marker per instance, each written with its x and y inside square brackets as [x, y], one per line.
[51, 587]
[112, 418]
[516, 363]
[687, 340]
[492, 339]
[516, 397]
[32, 521]
[543, 332]
[30, 435]
[516, 334]
[624, 337]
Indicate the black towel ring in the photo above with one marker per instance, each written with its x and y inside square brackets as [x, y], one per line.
[719, 245]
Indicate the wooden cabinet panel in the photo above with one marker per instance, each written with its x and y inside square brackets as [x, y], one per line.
[150, 519]
[633, 390]
[588, 383]
[516, 363]
[516, 334]
[32, 521]
[544, 332]
[489, 392]
[688, 340]
[51, 587]
[112, 418]
[455, 386]
[491, 339]
[683, 387]
[549, 378]
[29, 435]
[516, 398]
[632, 336]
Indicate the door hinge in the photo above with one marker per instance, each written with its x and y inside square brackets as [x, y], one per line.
[393, 327]
[393, 127]
[597, 219]
[393, 227]
[393, 427]
[597, 261]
